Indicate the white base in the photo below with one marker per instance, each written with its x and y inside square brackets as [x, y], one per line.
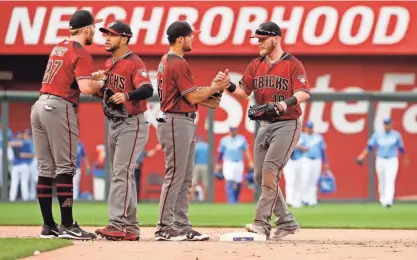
[242, 236]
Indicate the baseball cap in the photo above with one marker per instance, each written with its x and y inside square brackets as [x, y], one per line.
[118, 28]
[266, 30]
[309, 124]
[82, 18]
[387, 121]
[180, 28]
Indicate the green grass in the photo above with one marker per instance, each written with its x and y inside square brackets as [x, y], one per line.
[400, 216]
[15, 248]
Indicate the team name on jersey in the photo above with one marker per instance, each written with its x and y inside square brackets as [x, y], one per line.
[270, 81]
[116, 81]
[59, 51]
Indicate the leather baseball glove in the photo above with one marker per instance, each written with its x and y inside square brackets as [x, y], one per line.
[112, 111]
[266, 112]
[213, 101]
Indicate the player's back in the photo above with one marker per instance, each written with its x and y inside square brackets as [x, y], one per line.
[174, 80]
[67, 62]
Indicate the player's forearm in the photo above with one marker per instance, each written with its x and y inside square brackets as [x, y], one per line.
[323, 156]
[220, 157]
[249, 157]
[237, 91]
[364, 153]
[26, 155]
[89, 86]
[141, 93]
[201, 94]
[301, 96]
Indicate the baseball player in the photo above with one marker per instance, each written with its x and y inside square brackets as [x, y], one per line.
[81, 155]
[176, 131]
[201, 172]
[20, 174]
[388, 143]
[128, 77]
[314, 160]
[232, 148]
[54, 124]
[280, 78]
[293, 174]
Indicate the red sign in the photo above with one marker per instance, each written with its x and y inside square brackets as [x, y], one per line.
[344, 125]
[316, 27]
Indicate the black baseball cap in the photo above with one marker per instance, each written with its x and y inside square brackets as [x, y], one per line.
[268, 29]
[119, 28]
[82, 18]
[180, 28]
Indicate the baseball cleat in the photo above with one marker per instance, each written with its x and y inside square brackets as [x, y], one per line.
[111, 233]
[193, 235]
[75, 232]
[169, 235]
[283, 232]
[131, 237]
[256, 229]
[49, 232]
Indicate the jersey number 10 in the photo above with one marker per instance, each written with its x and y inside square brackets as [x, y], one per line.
[51, 69]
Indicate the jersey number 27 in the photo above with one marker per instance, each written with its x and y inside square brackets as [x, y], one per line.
[51, 69]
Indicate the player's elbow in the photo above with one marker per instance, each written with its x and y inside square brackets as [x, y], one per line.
[302, 96]
[193, 98]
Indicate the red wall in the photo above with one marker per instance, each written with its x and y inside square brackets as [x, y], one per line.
[344, 125]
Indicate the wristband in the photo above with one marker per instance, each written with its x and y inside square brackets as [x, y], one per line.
[127, 95]
[291, 101]
[232, 87]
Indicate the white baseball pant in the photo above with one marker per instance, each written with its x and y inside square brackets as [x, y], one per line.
[20, 174]
[33, 179]
[386, 170]
[233, 171]
[292, 175]
[76, 184]
[311, 169]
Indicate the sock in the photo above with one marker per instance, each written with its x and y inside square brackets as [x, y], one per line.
[44, 191]
[64, 192]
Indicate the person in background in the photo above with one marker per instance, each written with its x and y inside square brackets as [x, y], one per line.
[10, 134]
[200, 173]
[23, 156]
[232, 149]
[314, 160]
[388, 143]
[10, 157]
[293, 175]
[139, 164]
[81, 155]
[33, 166]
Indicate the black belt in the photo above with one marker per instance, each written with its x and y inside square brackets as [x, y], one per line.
[279, 120]
[191, 115]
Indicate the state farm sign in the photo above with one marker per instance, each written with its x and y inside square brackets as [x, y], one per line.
[308, 27]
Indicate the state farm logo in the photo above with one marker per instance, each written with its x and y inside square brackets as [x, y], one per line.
[312, 26]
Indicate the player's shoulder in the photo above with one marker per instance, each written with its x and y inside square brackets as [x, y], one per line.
[175, 60]
[257, 60]
[78, 49]
[134, 59]
[292, 59]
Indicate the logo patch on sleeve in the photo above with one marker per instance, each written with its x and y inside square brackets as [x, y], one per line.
[302, 79]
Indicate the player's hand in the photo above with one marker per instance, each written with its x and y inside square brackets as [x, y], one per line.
[217, 167]
[99, 75]
[360, 160]
[281, 108]
[118, 98]
[222, 75]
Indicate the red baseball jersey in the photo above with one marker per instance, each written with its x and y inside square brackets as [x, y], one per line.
[126, 74]
[174, 81]
[276, 82]
[68, 62]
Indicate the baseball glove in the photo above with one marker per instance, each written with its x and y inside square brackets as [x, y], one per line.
[112, 111]
[266, 112]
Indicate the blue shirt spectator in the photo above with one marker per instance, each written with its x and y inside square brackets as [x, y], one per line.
[201, 152]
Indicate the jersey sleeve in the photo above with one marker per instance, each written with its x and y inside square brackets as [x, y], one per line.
[140, 75]
[221, 147]
[244, 144]
[299, 78]
[83, 63]
[400, 142]
[322, 143]
[82, 151]
[247, 79]
[184, 78]
[372, 141]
